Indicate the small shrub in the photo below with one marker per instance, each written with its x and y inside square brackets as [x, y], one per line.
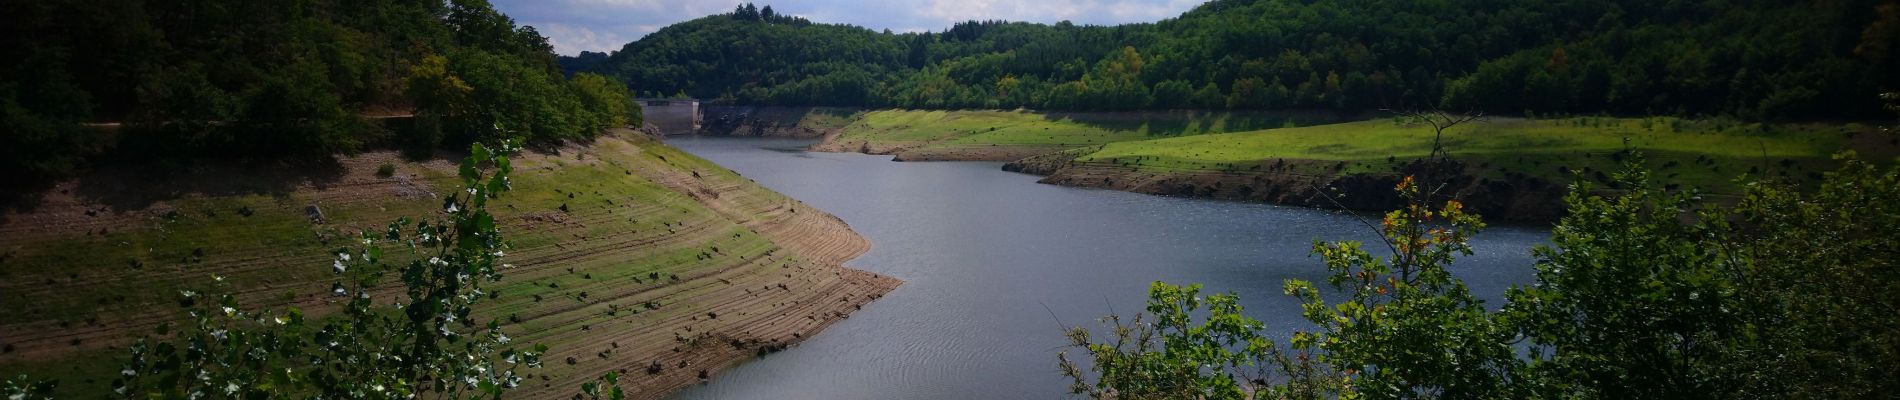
[386, 170]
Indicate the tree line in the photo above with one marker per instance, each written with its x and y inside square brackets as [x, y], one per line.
[1771, 60]
[279, 79]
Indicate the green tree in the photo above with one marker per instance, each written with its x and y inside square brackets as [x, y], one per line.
[40, 135]
[295, 112]
[1176, 355]
[440, 98]
[1643, 293]
[609, 102]
[1640, 306]
[1209, 97]
[1750, 59]
[514, 100]
[1248, 93]
[1173, 94]
[1654, 294]
[1407, 328]
[1817, 280]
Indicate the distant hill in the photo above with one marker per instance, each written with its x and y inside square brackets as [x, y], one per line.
[263, 80]
[1773, 60]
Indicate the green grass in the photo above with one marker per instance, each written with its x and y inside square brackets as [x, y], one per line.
[1697, 153]
[827, 119]
[973, 127]
[1708, 154]
[72, 281]
[1020, 128]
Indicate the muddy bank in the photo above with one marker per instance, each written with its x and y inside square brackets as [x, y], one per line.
[762, 121]
[628, 254]
[1517, 199]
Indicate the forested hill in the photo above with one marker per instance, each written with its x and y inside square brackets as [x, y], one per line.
[1760, 59]
[276, 78]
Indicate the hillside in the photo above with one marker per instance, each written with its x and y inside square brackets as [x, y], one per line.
[1511, 168]
[1757, 60]
[248, 80]
[1508, 169]
[627, 253]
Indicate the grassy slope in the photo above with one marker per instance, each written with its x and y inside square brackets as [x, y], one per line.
[1707, 154]
[84, 271]
[1515, 168]
[1008, 135]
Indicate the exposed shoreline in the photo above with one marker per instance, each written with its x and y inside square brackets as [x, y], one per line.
[767, 121]
[1528, 200]
[1294, 182]
[772, 273]
[1524, 200]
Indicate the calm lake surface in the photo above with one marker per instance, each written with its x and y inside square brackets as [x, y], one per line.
[995, 264]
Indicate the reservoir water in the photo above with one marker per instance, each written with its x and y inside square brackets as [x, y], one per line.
[996, 264]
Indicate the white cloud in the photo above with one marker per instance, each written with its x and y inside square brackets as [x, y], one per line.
[572, 39]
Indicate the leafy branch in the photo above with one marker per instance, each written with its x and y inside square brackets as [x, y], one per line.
[423, 343]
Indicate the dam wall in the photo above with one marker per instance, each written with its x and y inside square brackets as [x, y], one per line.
[671, 116]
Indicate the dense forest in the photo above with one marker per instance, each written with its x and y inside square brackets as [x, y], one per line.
[1753, 59]
[277, 79]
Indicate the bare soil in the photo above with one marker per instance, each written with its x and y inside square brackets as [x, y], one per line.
[751, 298]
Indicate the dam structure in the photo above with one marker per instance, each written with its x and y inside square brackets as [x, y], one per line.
[671, 116]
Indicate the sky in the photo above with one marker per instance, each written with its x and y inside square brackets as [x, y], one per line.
[573, 26]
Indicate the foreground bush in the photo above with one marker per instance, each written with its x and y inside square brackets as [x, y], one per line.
[421, 343]
[1784, 294]
[1644, 293]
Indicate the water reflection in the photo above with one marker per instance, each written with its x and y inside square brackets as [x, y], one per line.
[995, 264]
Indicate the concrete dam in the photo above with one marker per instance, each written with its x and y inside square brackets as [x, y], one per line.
[671, 116]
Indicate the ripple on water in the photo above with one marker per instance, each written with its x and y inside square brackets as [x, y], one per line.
[992, 260]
